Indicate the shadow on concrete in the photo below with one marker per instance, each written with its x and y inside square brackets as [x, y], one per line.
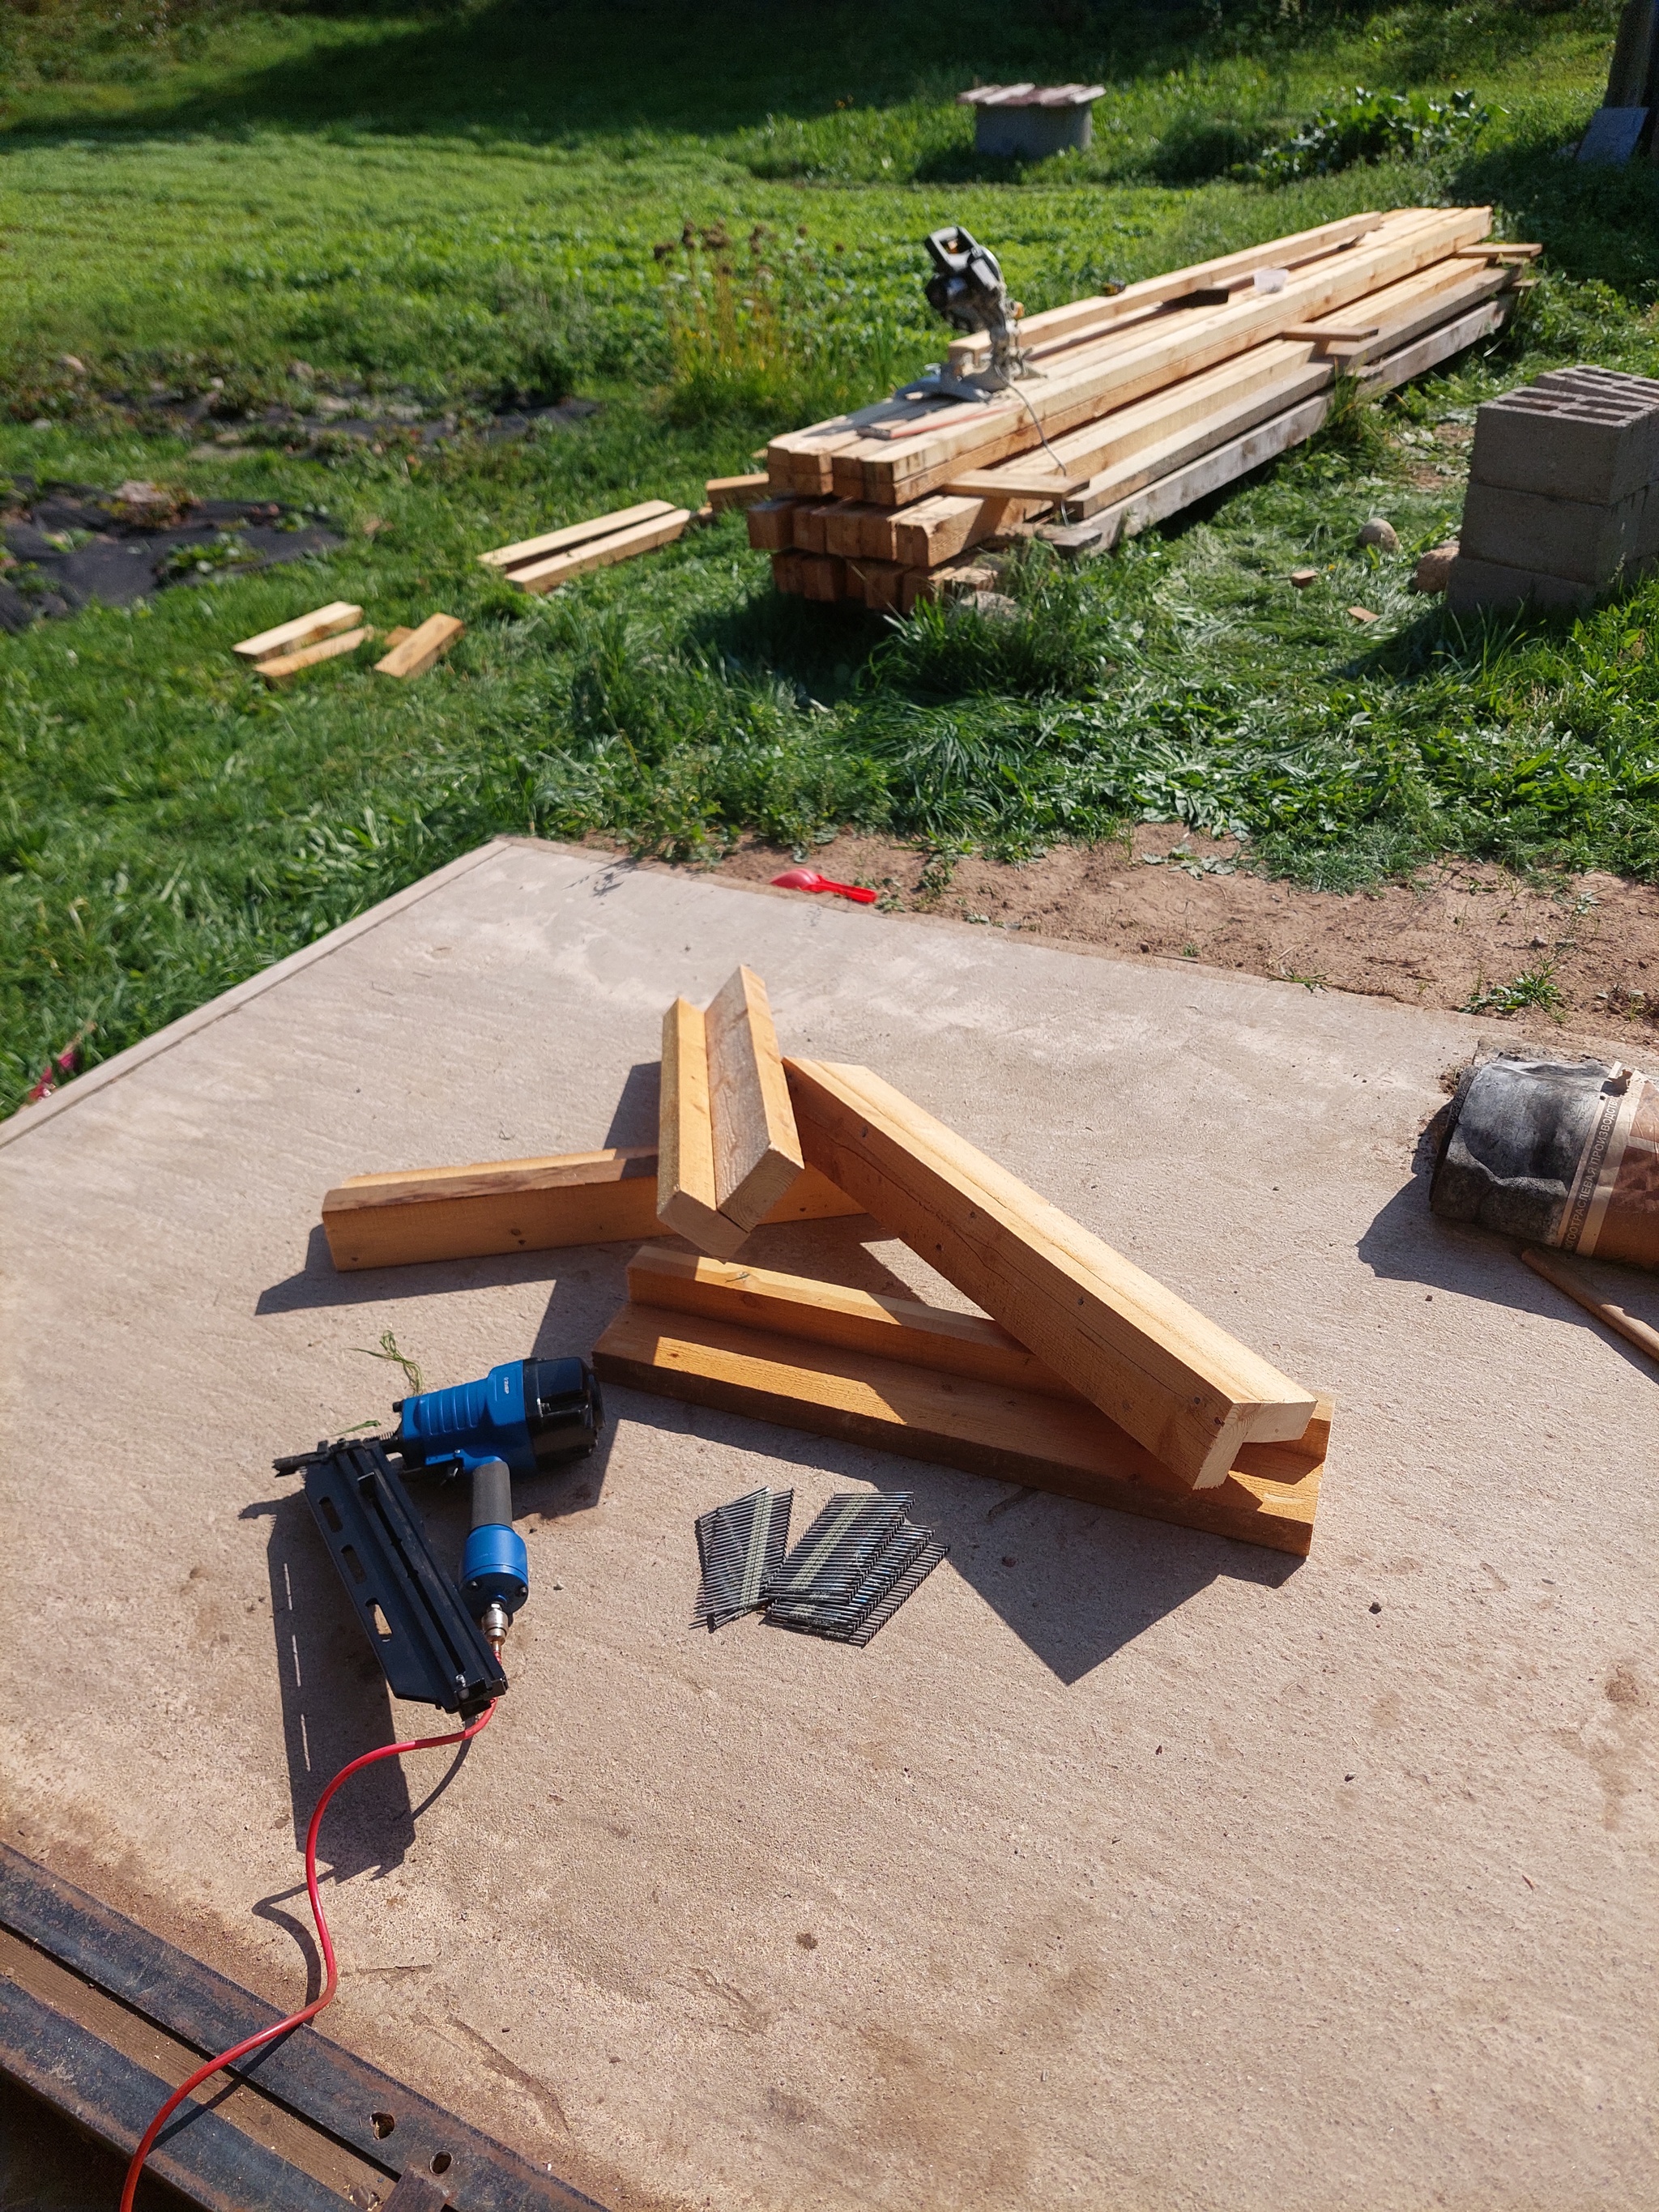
[318, 1286]
[636, 1119]
[335, 1700]
[1406, 1242]
[1075, 1583]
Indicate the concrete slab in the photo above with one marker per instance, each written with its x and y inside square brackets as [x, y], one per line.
[1128, 1868]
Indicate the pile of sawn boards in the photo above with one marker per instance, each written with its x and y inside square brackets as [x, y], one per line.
[1144, 401]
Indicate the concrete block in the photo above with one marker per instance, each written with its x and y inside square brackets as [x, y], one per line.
[1584, 441]
[1581, 540]
[1475, 584]
[1613, 135]
[1031, 132]
[1600, 383]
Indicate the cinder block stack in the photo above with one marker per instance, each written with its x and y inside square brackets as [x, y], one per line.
[1564, 492]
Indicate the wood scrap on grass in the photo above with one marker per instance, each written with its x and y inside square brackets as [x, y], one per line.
[541, 564]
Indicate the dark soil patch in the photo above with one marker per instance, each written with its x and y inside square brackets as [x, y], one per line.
[68, 545]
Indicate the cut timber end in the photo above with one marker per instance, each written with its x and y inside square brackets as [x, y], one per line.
[1180, 1385]
[723, 493]
[1267, 1496]
[422, 648]
[305, 630]
[686, 1151]
[756, 1151]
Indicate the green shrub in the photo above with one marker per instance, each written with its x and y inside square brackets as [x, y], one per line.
[1374, 126]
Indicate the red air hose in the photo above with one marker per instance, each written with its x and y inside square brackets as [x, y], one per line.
[147, 2143]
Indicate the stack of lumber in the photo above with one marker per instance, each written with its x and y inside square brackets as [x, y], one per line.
[1081, 1374]
[1144, 401]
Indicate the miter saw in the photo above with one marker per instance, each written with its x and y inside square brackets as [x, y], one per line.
[968, 289]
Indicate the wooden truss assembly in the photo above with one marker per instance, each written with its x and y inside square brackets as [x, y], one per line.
[1140, 402]
[1081, 1373]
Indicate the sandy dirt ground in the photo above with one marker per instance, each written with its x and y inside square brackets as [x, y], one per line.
[1457, 939]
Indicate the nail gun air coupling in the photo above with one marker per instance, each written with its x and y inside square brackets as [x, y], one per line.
[495, 1566]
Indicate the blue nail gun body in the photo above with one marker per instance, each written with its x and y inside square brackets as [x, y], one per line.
[434, 1641]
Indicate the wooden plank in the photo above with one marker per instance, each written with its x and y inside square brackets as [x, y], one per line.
[469, 1213]
[1178, 1382]
[723, 493]
[1431, 294]
[1427, 353]
[422, 648]
[967, 354]
[304, 630]
[771, 524]
[685, 1144]
[830, 1313]
[1111, 519]
[1269, 1497]
[1014, 482]
[1156, 501]
[547, 575]
[1432, 312]
[788, 574]
[1115, 485]
[758, 1154]
[1183, 347]
[574, 533]
[278, 670]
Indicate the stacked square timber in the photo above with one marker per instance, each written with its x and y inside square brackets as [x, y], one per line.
[1082, 1374]
[1144, 401]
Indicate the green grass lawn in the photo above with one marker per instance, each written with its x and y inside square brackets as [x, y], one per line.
[456, 205]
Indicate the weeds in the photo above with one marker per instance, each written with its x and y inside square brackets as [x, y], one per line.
[1534, 986]
[769, 328]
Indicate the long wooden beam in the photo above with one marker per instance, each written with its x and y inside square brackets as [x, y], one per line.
[1181, 345]
[488, 1207]
[1179, 1384]
[832, 1314]
[756, 1151]
[968, 353]
[1267, 1496]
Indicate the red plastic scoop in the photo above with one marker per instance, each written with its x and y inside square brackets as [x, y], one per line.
[809, 879]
